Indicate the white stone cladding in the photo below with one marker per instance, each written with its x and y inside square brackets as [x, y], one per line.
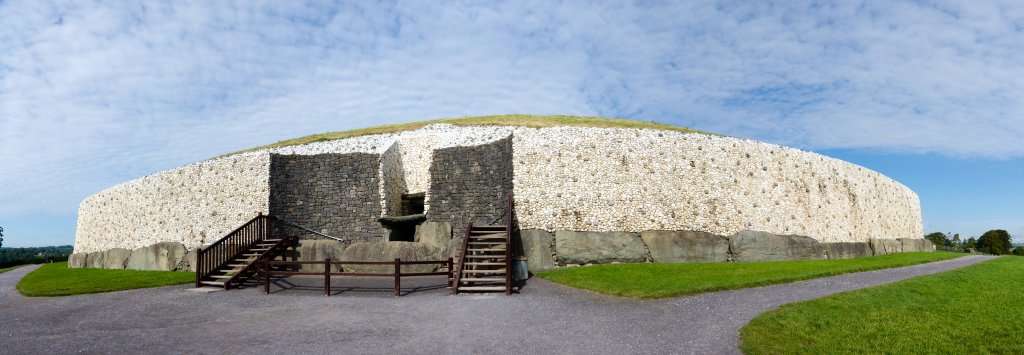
[193, 205]
[632, 180]
[565, 178]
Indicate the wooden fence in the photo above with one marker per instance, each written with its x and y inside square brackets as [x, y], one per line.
[327, 273]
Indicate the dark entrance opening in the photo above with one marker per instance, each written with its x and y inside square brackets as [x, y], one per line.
[412, 204]
[403, 228]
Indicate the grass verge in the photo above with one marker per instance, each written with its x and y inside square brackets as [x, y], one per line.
[661, 280]
[974, 310]
[535, 121]
[57, 279]
[6, 269]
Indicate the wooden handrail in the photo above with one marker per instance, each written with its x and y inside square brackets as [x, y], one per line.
[508, 247]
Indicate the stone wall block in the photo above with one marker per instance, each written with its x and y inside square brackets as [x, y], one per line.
[885, 246]
[94, 260]
[599, 247]
[909, 245]
[116, 258]
[318, 250]
[685, 246]
[434, 233]
[537, 246]
[762, 246]
[78, 260]
[847, 250]
[164, 256]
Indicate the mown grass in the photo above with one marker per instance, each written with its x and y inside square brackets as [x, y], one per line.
[6, 269]
[661, 280]
[535, 121]
[977, 310]
[57, 279]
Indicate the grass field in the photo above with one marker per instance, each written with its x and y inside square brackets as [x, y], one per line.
[661, 280]
[976, 310]
[6, 269]
[535, 121]
[57, 279]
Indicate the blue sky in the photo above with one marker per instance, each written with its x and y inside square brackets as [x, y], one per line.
[96, 93]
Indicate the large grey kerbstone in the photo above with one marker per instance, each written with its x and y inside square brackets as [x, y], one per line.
[160, 256]
[909, 245]
[433, 233]
[847, 250]
[94, 260]
[77, 260]
[451, 249]
[388, 251]
[762, 246]
[537, 248]
[599, 247]
[318, 250]
[188, 263]
[885, 246]
[116, 258]
[685, 246]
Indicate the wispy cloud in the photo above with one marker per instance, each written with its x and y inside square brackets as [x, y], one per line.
[92, 94]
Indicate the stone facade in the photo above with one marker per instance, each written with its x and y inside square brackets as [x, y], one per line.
[470, 184]
[565, 180]
[334, 194]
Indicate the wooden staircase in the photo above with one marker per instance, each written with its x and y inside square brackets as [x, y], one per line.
[232, 260]
[485, 264]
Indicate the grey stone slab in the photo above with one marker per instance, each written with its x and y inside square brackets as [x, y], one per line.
[434, 233]
[388, 251]
[763, 246]
[116, 258]
[599, 247]
[318, 250]
[685, 246]
[885, 246]
[94, 260]
[847, 250]
[537, 248]
[160, 256]
[77, 260]
[908, 245]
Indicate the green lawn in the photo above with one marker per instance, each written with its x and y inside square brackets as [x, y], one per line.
[57, 279]
[6, 269]
[661, 280]
[977, 310]
[536, 121]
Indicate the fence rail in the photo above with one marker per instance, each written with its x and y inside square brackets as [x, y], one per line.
[265, 269]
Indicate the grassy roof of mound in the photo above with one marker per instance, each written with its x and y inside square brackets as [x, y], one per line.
[535, 121]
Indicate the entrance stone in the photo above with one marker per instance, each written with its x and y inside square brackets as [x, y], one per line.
[762, 246]
[685, 246]
[599, 247]
[388, 251]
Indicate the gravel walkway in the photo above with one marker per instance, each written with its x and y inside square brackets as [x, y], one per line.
[544, 318]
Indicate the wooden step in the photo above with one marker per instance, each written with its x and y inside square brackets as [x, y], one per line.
[499, 242]
[488, 236]
[489, 249]
[482, 288]
[484, 263]
[483, 279]
[271, 240]
[250, 254]
[215, 283]
[222, 276]
[502, 256]
[264, 249]
[495, 271]
[490, 227]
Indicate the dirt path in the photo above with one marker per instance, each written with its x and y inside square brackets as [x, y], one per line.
[545, 318]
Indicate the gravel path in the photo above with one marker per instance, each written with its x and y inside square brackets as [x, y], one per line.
[544, 318]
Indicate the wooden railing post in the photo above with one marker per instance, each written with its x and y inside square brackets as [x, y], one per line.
[398, 277]
[327, 277]
[199, 266]
[266, 276]
[451, 271]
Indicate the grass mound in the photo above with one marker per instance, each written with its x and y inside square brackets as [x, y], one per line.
[535, 121]
[661, 280]
[57, 279]
[974, 310]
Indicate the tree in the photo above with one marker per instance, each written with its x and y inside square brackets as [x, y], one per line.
[996, 241]
[938, 238]
[1018, 251]
[971, 243]
[1, 236]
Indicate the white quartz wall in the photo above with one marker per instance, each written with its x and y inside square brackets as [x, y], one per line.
[194, 205]
[599, 179]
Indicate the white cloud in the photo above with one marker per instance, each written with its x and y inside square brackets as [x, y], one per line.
[95, 94]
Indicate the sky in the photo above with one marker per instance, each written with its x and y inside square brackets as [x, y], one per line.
[93, 94]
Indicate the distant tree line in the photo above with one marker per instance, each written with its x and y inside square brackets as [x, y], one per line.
[996, 241]
[20, 256]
